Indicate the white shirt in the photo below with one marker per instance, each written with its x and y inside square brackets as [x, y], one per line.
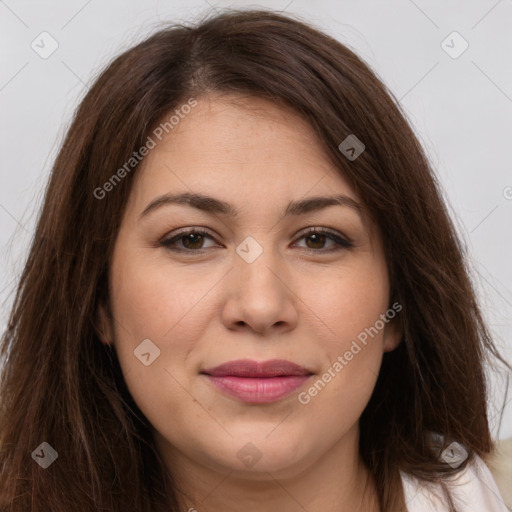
[473, 489]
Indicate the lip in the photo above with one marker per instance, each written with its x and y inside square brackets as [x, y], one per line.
[258, 382]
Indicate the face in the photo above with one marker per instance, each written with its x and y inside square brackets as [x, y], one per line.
[194, 286]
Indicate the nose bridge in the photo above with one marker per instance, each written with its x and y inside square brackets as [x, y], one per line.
[259, 295]
[257, 263]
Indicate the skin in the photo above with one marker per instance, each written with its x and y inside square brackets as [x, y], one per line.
[290, 303]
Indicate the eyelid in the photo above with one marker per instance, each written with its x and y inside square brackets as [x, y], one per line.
[166, 240]
[190, 229]
[324, 230]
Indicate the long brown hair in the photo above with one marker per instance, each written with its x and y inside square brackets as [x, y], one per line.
[62, 386]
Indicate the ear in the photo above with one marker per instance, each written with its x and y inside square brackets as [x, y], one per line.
[104, 325]
[393, 333]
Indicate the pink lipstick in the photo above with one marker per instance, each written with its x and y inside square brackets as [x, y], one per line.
[258, 382]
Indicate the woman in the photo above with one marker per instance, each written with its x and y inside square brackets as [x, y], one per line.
[244, 293]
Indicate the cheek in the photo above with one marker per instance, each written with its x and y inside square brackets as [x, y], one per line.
[161, 307]
[167, 308]
[343, 387]
[351, 308]
[351, 302]
[334, 402]
[158, 301]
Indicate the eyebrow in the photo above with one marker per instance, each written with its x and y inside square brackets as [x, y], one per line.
[216, 206]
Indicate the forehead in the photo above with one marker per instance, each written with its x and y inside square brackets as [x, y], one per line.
[239, 144]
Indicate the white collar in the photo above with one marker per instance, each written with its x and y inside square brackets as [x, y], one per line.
[472, 489]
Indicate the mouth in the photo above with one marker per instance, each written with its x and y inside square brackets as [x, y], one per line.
[257, 382]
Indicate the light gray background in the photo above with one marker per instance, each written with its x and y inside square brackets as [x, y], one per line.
[461, 108]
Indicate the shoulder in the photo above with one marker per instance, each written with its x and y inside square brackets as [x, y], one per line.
[473, 489]
[500, 463]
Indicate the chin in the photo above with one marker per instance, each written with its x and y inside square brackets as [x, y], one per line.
[255, 459]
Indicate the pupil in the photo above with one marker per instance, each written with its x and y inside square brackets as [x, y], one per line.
[190, 238]
[320, 239]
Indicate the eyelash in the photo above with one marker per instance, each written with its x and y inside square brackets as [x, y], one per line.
[342, 243]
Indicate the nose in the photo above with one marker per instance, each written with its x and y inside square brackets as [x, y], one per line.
[260, 296]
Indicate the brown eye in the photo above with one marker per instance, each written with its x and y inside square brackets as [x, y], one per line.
[192, 240]
[316, 239]
[187, 241]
